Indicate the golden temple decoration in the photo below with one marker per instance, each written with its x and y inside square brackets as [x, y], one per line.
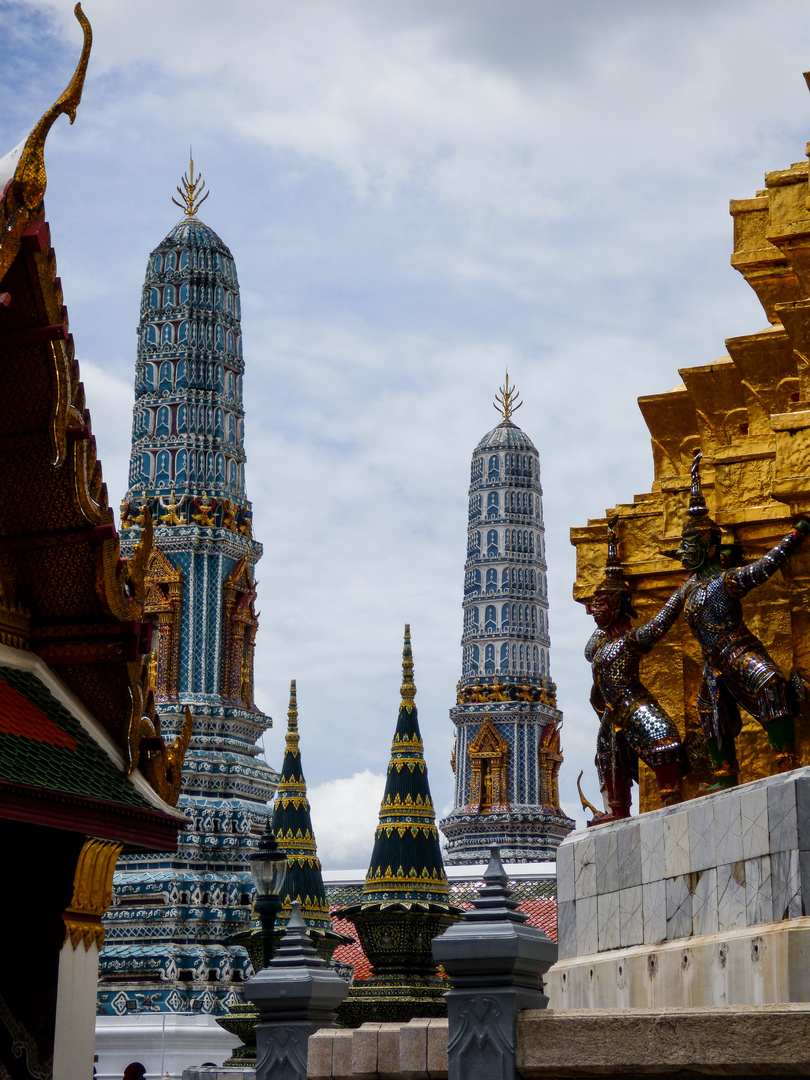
[550, 758]
[506, 401]
[92, 893]
[171, 506]
[240, 625]
[408, 688]
[749, 415]
[204, 516]
[164, 598]
[192, 192]
[292, 721]
[22, 203]
[160, 764]
[489, 776]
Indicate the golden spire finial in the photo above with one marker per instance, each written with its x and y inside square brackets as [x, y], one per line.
[23, 201]
[506, 401]
[408, 689]
[192, 191]
[292, 717]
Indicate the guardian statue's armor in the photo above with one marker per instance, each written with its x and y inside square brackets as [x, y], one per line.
[737, 669]
[632, 723]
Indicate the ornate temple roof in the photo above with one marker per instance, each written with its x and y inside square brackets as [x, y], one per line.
[292, 827]
[65, 592]
[188, 455]
[192, 233]
[50, 746]
[406, 862]
[506, 436]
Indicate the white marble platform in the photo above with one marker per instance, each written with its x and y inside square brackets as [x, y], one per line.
[734, 859]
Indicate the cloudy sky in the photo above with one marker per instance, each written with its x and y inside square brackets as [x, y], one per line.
[418, 195]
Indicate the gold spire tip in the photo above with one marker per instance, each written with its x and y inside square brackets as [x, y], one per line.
[408, 689]
[292, 711]
[191, 192]
[506, 400]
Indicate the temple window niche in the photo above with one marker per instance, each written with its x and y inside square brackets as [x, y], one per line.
[240, 633]
[489, 770]
[164, 597]
[549, 759]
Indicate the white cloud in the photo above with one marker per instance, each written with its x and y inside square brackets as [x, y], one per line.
[345, 813]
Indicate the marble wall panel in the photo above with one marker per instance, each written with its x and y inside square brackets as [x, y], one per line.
[565, 872]
[584, 868]
[629, 857]
[654, 908]
[651, 847]
[676, 844]
[754, 821]
[731, 911]
[783, 831]
[631, 917]
[566, 929]
[678, 907]
[608, 921]
[786, 885]
[727, 838]
[803, 811]
[758, 894]
[704, 901]
[606, 851]
[587, 929]
[701, 835]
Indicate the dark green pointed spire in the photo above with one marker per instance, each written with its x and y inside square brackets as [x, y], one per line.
[406, 863]
[292, 826]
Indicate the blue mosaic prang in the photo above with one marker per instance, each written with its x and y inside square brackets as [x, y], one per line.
[188, 421]
[505, 695]
[169, 934]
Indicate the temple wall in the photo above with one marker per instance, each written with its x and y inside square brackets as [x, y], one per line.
[762, 1040]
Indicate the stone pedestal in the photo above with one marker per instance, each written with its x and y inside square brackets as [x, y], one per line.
[699, 904]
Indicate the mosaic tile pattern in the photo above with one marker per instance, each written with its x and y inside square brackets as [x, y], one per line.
[170, 931]
[505, 639]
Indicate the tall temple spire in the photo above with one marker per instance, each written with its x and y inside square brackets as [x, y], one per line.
[171, 930]
[292, 827]
[507, 752]
[405, 900]
[406, 862]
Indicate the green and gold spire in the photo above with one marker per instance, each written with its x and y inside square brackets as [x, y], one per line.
[292, 826]
[406, 863]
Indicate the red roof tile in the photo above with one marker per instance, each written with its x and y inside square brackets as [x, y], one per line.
[19, 716]
[351, 954]
[542, 913]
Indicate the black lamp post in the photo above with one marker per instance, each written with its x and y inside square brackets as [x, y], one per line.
[268, 866]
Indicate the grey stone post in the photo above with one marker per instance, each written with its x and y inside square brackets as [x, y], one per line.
[496, 965]
[296, 995]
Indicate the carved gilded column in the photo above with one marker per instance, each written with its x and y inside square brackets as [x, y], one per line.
[78, 961]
